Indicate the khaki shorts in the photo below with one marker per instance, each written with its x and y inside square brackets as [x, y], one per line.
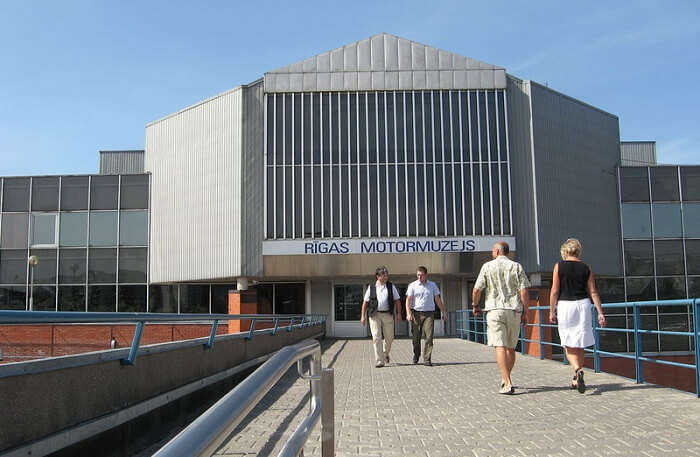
[503, 327]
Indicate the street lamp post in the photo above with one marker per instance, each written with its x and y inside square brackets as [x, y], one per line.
[33, 260]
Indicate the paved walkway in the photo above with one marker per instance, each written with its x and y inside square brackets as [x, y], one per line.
[453, 409]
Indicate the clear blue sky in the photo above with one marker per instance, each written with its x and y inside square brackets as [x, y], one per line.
[77, 77]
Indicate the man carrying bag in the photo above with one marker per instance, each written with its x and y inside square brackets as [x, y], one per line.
[377, 305]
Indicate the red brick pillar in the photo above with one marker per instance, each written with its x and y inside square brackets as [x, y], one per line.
[539, 296]
[241, 302]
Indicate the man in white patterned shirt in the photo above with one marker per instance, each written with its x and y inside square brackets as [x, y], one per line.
[506, 307]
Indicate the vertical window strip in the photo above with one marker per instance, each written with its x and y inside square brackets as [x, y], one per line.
[444, 187]
[481, 172]
[311, 151]
[320, 145]
[510, 193]
[488, 160]
[350, 221]
[376, 134]
[405, 168]
[396, 168]
[359, 189]
[274, 165]
[452, 149]
[425, 167]
[303, 184]
[292, 198]
[340, 174]
[330, 160]
[386, 164]
[267, 166]
[284, 171]
[432, 139]
[461, 165]
[369, 207]
[498, 146]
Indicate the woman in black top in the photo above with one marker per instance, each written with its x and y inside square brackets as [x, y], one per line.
[573, 287]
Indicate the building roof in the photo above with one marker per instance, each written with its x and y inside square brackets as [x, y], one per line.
[385, 62]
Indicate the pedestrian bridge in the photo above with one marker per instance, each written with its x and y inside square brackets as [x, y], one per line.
[453, 409]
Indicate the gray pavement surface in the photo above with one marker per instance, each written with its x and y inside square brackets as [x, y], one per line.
[453, 409]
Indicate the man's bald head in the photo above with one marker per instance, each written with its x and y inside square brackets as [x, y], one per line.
[500, 248]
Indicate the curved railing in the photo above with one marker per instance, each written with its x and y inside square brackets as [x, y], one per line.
[280, 322]
[206, 434]
[474, 328]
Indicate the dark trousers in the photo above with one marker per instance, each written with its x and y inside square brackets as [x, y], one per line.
[423, 322]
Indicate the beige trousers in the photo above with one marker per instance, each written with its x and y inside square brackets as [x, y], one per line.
[382, 326]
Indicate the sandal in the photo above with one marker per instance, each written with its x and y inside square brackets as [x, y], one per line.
[580, 383]
[574, 384]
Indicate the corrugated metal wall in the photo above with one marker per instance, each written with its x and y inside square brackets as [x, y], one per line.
[253, 181]
[121, 162]
[520, 144]
[577, 149]
[195, 160]
[638, 153]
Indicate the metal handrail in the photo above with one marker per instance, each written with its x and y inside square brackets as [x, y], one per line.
[469, 320]
[206, 434]
[78, 317]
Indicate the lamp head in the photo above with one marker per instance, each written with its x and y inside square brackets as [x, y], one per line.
[33, 260]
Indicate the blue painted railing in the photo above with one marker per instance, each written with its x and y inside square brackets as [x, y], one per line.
[474, 328]
[281, 321]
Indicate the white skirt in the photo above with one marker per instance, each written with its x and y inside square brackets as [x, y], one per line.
[575, 324]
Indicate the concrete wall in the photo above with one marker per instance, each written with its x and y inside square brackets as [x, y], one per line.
[195, 160]
[321, 301]
[576, 150]
[57, 394]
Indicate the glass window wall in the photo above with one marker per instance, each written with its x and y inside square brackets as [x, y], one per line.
[45, 193]
[348, 302]
[15, 195]
[162, 299]
[664, 184]
[44, 272]
[690, 183]
[73, 229]
[634, 184]
[104, 192]
[15, 230]
[132, 299]
[639, 258]
[667, 220]
[691, 220]
[43, 230]
[636, 220]
[103, 228]
[72, 266]
[133, 228]
[194, 298]
[13, 266]
[74, 193]
[134, 192]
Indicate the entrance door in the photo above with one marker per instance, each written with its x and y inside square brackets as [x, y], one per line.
[347, 309]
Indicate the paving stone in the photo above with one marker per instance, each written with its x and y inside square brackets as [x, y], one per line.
[453, 409]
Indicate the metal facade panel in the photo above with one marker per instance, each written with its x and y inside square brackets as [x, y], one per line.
[636, 153]
[520, 151]
[194, 157]
[387, 55]
[577, 150]
[253, 172]
[121, 162]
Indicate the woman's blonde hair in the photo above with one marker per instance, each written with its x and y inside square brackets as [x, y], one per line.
[571, 247]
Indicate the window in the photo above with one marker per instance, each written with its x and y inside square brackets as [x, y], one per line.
[43, 230]
[348, 302]
[15, 195]
[102, 267]
[45, 194]
[691, 219]
[669, 257]
[103, 192]
[132, 299]
[219, 299]
[134, 192]
[693, 286]
[72, 266]
[692, 256]
[290, 298]
[636, 220]
[44, 298]
[194, 298]
[102, 298]
[639, 258]
[13, 298]
[667, 220]
[634, 184]
[133, 228]
[15, 228]
[44, 271]
[132, 265]
[71, 298]
[103, 228]
[670, 288]
[611, 290]
[640, 289]
[74, 193]
[162, 299]
[73, 230]
[13, 266]
[664, 184]
[690, 182]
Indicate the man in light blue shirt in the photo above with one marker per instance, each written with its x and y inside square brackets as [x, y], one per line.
[421, 297]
